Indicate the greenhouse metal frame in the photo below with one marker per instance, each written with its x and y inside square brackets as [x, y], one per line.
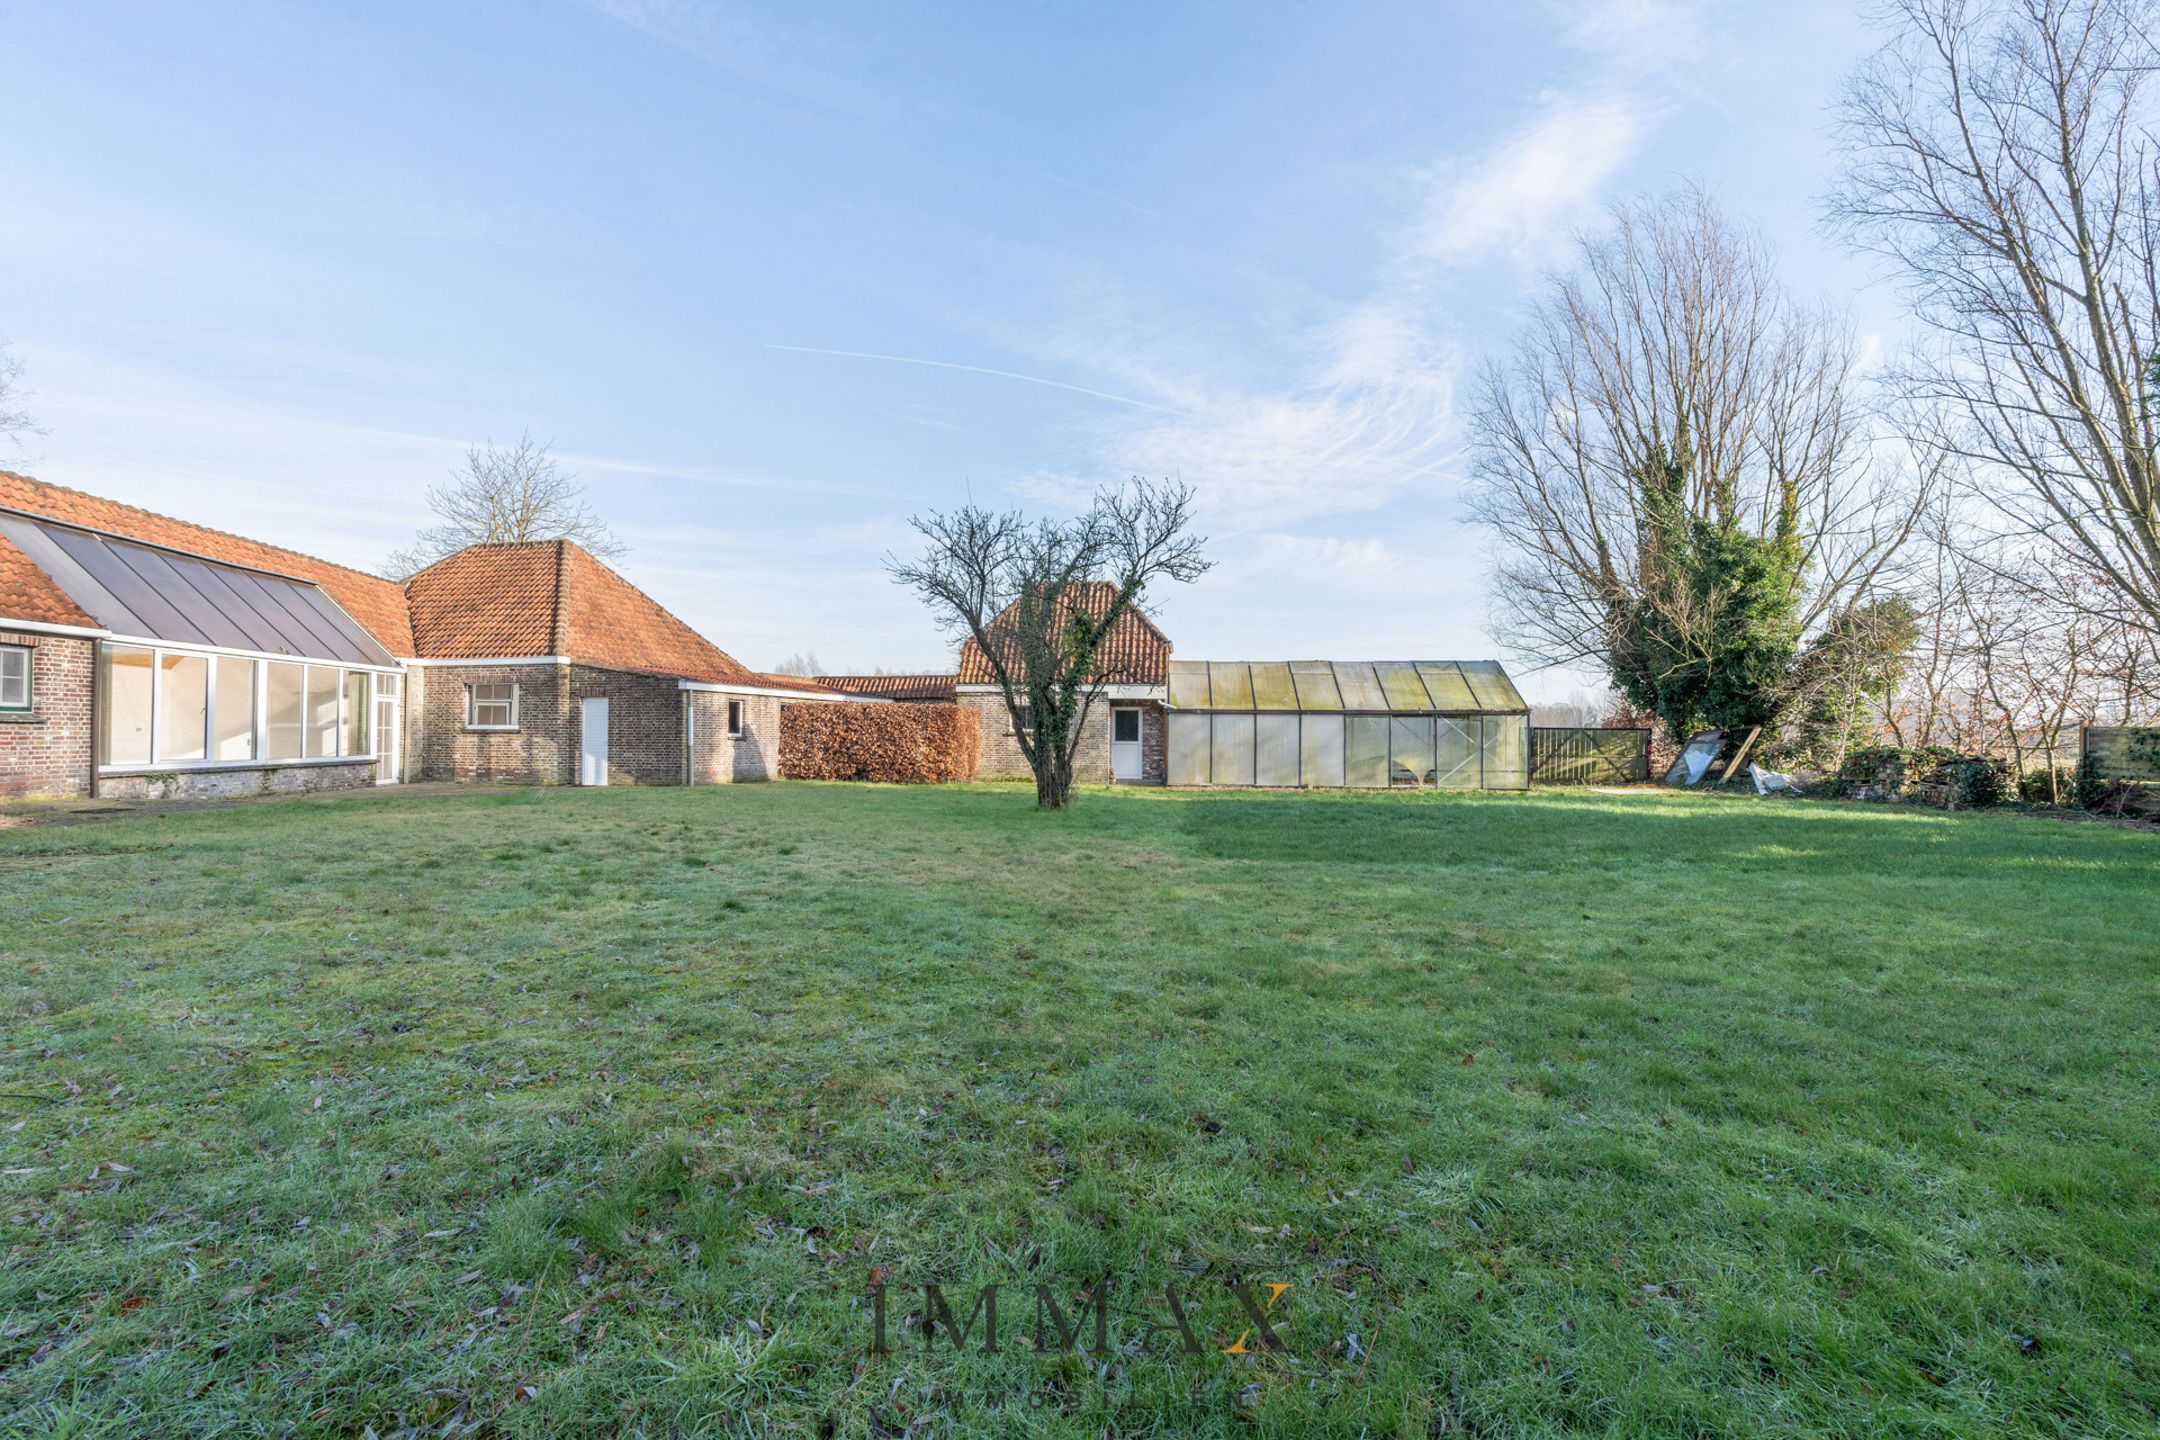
[1347, 724]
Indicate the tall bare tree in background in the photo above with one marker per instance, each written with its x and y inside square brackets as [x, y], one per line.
[503, 496]
[1671, 356]
[14, 409]
[2001, 156]
[1039, 598]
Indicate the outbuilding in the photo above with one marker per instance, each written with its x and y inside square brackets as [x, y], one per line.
[1445, 724]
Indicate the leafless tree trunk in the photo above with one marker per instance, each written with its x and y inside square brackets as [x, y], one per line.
[506, 496]
[1672, 338]
[2001, 157]
[1040, 597]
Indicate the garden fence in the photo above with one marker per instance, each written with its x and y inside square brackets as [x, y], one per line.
[2122, 752]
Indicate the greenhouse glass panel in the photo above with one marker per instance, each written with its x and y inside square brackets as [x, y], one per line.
[1450, 692]
[1188, 684]
[1507, 752]
[1458, 767]
[322, 711]
[1360, 687]
[1233, 749]
[1403, 688]
[183, 706]
[1187, 761]
[1231, 685]
[356, 712]
[1275, 750]
[1320, 743]
[1410, 750]
[1491, 685]
[283, 710]
[1365, 761]
[1272, 689]
[1316, 689]
[124, 696]
[233, 728]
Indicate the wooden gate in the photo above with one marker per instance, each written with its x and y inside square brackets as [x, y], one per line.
[1577, 755]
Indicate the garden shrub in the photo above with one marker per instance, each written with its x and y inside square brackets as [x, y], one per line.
[900, 744]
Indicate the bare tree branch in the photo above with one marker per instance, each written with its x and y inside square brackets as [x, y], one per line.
[506, 496]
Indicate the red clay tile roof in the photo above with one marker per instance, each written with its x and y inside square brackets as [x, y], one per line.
[550, 597]
[28, 593]
[1135, 653]
[378, 604]
[894, 687]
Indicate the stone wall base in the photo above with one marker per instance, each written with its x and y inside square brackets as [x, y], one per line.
[230, 784]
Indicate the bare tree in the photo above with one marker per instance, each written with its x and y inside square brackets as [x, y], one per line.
[14, 411]
[801, 665]
[505, 496]
[1039, 598]
[1671, 349]
[2001, 157]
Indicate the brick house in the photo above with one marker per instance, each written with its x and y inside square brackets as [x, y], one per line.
[146, 656]
[1123, 740]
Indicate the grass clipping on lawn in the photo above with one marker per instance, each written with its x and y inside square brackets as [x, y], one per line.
[896, 744]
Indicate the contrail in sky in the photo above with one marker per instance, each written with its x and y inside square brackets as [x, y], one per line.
[976, 370]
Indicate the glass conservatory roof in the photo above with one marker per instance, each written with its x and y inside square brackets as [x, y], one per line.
[148, 593]
[1443, 687]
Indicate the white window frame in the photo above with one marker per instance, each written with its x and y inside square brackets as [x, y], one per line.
[29, 678]
[738, 719]
[261, 668]
[473, 704]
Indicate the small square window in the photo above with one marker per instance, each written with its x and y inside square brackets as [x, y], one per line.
[735, 719]
[491, 707]
[15, 668]
[1024, 720]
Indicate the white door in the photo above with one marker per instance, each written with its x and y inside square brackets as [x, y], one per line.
[592, 742]
[1125, 744]
[386, 730]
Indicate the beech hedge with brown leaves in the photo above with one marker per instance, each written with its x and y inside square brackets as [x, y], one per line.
[899, 744]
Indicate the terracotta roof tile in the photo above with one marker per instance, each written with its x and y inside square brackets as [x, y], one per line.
[550, 597]
[30, 593]
[1135, 653]
[894, 687]
[378, 604]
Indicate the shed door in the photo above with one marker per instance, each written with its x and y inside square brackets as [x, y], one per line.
[1125, 744]
[592, 742]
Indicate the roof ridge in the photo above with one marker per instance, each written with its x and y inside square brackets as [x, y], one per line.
[190, 524]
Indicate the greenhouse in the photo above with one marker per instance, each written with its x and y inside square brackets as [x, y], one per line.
[1347, 723]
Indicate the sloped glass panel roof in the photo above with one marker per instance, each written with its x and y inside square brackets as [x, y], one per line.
[1404, 690]
[1360, 687]
[1448, 688]
[1316, 688]
[1231, 682]
[1272, 689]
[147, 593]
[1188, 684]
[1491, 685]
[1412, 687]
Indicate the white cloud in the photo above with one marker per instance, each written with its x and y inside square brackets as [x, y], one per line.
[1521, 197]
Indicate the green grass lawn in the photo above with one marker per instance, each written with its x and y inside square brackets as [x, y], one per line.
[597, 1111]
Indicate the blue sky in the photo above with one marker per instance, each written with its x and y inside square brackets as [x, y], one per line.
[273, 267]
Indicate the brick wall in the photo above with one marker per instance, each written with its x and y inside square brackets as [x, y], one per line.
[1002, 760]
[645, 724]
[721, 758]
[47, 752]
[541, 751]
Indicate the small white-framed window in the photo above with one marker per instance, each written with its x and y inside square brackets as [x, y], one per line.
[15, 676]
[1024, 720]
[735, 719]
[491, 707]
